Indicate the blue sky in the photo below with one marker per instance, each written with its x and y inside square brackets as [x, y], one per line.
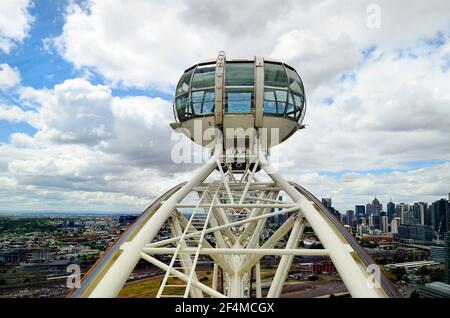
[87, 91]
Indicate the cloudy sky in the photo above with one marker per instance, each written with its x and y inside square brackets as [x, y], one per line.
[86, 89]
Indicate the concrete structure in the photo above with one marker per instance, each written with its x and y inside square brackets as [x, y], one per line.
[390, 208]
[440, 216]
[394, 225]
[437, 254]
[447, 257]
[412, 265]
[415, 234]
[434, 290]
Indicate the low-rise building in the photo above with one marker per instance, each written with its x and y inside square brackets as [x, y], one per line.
[434, 290]
[415, 233]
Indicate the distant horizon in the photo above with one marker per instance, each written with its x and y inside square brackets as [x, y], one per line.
[74, 213]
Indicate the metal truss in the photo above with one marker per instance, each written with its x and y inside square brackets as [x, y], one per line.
[228, 215]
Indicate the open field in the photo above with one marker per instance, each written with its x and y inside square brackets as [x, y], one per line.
[326, 285]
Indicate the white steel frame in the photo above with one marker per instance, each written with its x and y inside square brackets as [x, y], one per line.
[235, 214]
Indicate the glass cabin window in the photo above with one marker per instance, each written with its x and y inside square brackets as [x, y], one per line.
[239, 100]
[295, 84]
[182, 106]
[185, 81]
[275, 101]
[204, 77]
[275, 75]
[295, 105]
[239, 74]
[203, 102]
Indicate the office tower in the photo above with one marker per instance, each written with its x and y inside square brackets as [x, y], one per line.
[350, 216]
[369, 209]
[326, 202]
[415, 233]
[377, 206]
[439, 216]
[404, 213]
[360, 211]
[417, 214]
[390, 207]
[426, 214]
[384, 222]
[447, 257]
[394, 225]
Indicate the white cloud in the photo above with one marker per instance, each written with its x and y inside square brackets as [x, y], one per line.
[15, 23]
[150, 43]
[96, 150]
[320, 57]
[427, 184]
[395, 110]
[9, 77]
[90, 146]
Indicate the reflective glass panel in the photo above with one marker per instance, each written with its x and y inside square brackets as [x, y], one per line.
[281, 101]
[275, 75]
[239, 101]
[204, 77]
[298, 100]
[291, 105]
[203, 102]
[275, 101]
[239, 74]
[294, 82]
[270, 105]
[183, 85]
[182, 106]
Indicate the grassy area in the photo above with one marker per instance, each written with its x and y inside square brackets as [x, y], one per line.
[148, 287]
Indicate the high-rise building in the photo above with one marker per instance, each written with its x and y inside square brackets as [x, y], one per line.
[426, 214]
[394, 225]
[375, 221]
[447, 257]
[390, 208]
[360, 211]
[350, 218]
[362, 229]
[439, 211]
[326, 202]
[417, 214]
[404, 213]
[377, 206]
[384, 222]
[369, 209]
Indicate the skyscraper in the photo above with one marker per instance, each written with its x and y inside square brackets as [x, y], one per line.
[390, 209]
[350, 216]
[404, 213]
[447, 257]
[439, 211]
[369, 209]
[417, 214]
[326, 202]
[384, 222]
[377, 206]
[360, 211]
